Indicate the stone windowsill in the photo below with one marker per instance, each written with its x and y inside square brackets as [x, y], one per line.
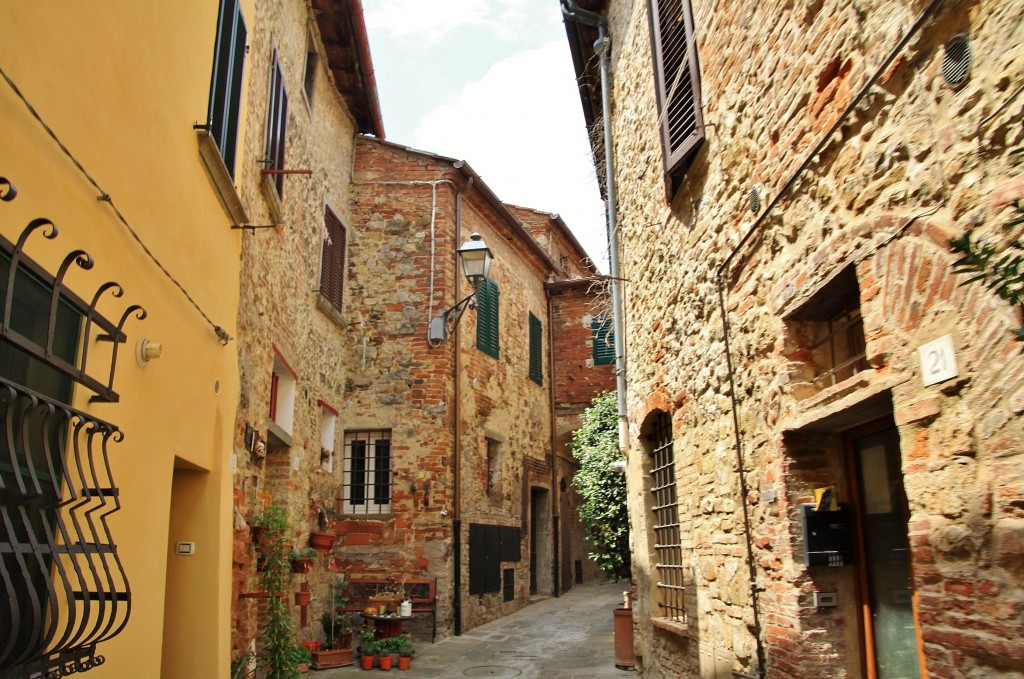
[822, 410]
[277, 436]
[330, 311]
[273, 200]
[679, 629]
[220, 178]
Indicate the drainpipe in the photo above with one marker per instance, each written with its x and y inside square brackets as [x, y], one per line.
[723, 271]
[603, 47]
[457, 429]
[555, 488]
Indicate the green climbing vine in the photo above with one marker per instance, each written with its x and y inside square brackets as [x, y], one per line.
[595, 445]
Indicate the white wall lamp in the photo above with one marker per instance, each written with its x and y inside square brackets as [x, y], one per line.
[476, 263]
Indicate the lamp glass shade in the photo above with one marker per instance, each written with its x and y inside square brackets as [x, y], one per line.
[476, 259]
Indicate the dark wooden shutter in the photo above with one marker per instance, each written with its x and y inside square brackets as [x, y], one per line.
[487, 318]
[677, 85]
[332, 262]
[536, 351]
[226, 83]
[603, 333]
[277, 122]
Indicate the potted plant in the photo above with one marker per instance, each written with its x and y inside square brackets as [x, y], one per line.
[323, 540]
[302, 560]
[369, 647]
[276, 656]
[268, 523]
[384, 654]
[337, 626]
[301, 656]
[402, 645]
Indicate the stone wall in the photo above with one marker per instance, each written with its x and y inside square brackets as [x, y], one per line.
[280, 311]
[913, 162]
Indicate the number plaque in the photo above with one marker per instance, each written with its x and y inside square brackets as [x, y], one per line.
[938, 361]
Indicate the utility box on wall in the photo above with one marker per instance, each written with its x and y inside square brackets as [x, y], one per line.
[827, 536]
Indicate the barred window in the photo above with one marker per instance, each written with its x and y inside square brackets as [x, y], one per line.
[668, 547]
[366, 475]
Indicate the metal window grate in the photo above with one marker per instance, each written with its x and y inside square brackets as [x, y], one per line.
[366, 475]
[843, 346]
[668, 544]
[508, 585]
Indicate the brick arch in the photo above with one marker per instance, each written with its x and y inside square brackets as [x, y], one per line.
[906, 283]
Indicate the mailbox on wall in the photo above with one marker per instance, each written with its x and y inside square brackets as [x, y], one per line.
[828, 536]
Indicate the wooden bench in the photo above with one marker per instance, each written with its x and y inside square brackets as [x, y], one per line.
[421, 592]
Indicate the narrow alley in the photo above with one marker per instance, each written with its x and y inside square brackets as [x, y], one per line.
[565, 638]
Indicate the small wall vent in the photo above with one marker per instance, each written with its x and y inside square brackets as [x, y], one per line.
[956, 64]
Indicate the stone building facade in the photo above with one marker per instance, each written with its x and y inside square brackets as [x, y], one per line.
[306, 87]
[794, 329]
[405, 449]
[471, 426]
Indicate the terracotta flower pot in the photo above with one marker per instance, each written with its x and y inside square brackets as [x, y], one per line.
[311, 646]
[302, 598]
[322, 542]
[385, 663]
[403, 662]
[367, 661]
[302, 565]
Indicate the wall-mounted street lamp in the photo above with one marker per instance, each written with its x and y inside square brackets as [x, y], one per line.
[476, 262]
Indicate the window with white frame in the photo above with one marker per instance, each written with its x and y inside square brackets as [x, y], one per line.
[366, 474]
[282, 394]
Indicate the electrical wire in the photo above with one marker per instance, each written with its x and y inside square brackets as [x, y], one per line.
[222, 334]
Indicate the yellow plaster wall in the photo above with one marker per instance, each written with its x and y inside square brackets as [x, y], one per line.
[121, 84]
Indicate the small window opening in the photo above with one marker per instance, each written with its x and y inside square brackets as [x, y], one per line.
[830, 331]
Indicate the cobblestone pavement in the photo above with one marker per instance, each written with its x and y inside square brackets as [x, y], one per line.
[569, 637]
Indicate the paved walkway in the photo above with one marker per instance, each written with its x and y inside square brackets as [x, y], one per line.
[565, 638]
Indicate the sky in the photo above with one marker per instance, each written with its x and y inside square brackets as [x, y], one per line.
[491, 82]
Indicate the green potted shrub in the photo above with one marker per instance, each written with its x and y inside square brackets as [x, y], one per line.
[276, 654]
[302, 559]
[402, 645]
[369, 647]
[301, 656]
[337, 627]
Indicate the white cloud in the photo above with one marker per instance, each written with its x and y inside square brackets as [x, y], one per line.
[521, 128]
[429, 22]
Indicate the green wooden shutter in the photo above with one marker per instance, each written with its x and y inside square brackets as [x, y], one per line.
[536, 352]
[604, 341]
[487, 318]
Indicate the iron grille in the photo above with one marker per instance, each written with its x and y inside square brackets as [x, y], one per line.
[668, 544]
[65, 587]
[366, 475]
[843, 346]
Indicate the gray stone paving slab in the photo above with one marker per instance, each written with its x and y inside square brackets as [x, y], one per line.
[569, 637]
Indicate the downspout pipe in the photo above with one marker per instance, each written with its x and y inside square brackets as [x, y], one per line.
[556, 490]
[723, 271]
[603, 48]
[457, 438]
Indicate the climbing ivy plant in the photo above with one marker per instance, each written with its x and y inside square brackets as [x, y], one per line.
[595, 445]
[999, 270]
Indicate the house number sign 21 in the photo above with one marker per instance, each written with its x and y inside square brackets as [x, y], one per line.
[938, 360]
